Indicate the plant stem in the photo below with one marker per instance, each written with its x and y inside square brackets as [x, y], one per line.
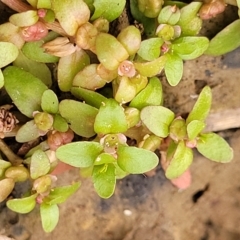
[11, 156]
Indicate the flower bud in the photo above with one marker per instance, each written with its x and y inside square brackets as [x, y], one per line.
[126, 68]
[166, 32]
[150, 8]
[132, 116]
[43, 120]
[178, 129]
[150, 142]
[101, 24]
[43, 184]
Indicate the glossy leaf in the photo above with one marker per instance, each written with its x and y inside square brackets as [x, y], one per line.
[37, 69]
[157, 119]
[22, 205]
[69, 66]
[90, 97]
[40, 164]
[80, 116]
[49, 102]
[24, 19]
[150, 49]
[188, 48]
[180, 161]
[6, 186]
[77, 14]
[21, 86]
[61, 194]
[202, 106]
[9, 53]
[110, 51]
[110, 118]
[136, 160]
[104, 180]
[79, 154]
[173, 69]
[108, 9]
[226, 40]
[104, 158]
[149, 96]
[194, 128]
[49, 216]
[215, 148]
[27, 132]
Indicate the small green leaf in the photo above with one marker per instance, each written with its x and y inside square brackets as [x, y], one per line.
[21, 86]
[202, 106]
[194, 128]
[90, 97]
[150, 49]
[80, 116]
[40, 164]
[188, 48]
[3, 166]
[61, 194]
[59, 123]
[24, 19]
[1, 79]
[77, 14]
[49, 216]
[44, 4]
[8, 52]
[104, 158]
[110, 118]
[27, 132]
[104, 180]
[157, 119]
[150, 95]
[173, 69]
[37, 69]
[49, 102]
[180, 162]
[214, 147]
[6, 186]
[136, 160]
[22, 205]
[226, 40]
[108, 9]
[79, 154]
[69, 66]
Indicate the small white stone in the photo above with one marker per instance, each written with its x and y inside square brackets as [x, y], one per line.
[127, 212]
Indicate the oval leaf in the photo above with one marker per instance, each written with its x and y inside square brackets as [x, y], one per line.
[49, 216]
[180, 162]
[194, 128]
[80, 116]
[104, 158]
[24, 19]
[8, 52]
[60, 124]
[21, 86]
[214, 147]
[22, 205]
[6, 186]
[79, 154]
[49, 102]
[157, 119]
[104, 180]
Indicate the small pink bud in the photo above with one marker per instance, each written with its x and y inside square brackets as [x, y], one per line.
[42, 13]
[126, 68]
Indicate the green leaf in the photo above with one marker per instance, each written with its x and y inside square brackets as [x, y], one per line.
[40, 164]
[80, 116]
[136, 160]
[157, 119]
[90, 97]
[150, 95]
[110, 51]
[71, 14]
[37, 69]
[188, 48]
[202, 106]
[3, 166]
[194, 128]
[44, 4]
[79, 154]
[104, 180]
[110, 118]
[27, 132]
[21, 86]
[22, 205]
[49, 216]
[24, 19]
[150, 49]
[59, 123]
[108, 9]
[180, 162]
[1, 79]
[61, 194]
[49, 102]
[215, 148]
[69, 66]
[6, 186]
[8, 52]
[35, 51]
[173, 69]
[104, 158]
[226, 40]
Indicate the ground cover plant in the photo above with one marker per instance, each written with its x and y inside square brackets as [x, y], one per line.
[86, 98]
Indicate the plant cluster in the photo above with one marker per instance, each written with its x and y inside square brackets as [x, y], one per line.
[115, 95]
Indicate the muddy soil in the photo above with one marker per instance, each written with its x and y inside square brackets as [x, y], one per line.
[145, 208]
